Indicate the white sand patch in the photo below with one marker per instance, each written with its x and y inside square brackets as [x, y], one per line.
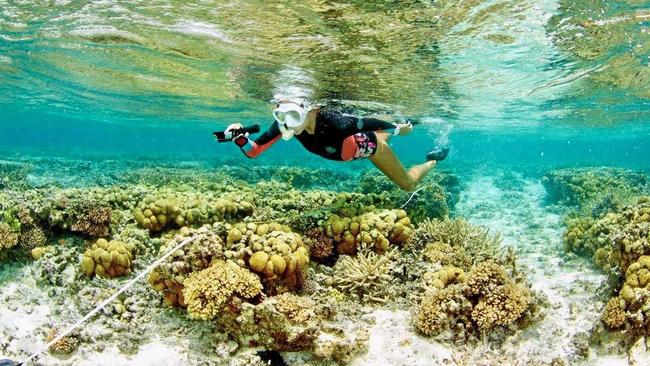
[393, 342]
[154, 353]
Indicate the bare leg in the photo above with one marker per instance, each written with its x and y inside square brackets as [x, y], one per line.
[386, 161]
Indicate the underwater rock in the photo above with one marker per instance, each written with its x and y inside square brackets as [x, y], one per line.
[285, 322]
[107, 259]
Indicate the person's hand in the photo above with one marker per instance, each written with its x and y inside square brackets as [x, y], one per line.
[234, 126]
[403, 128]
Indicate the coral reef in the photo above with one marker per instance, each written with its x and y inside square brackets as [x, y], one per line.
[365, 276]
[597, 190]
[454, 242]
[286, 322]
[107, 259]
[158, 211]
[461, 305]
[271, 250]
[170, 276]
[431, 200]
[377, 229]
[616, 239]
[93, 221]
[206, 292]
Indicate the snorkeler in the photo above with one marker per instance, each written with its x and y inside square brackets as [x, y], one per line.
[338, 136]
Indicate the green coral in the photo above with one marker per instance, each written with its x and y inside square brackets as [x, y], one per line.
[595, 190]
[208, 291]
[430, 200]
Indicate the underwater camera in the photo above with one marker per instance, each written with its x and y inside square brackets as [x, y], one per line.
[223, 136]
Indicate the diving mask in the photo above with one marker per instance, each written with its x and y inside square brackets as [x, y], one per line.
[291, 118]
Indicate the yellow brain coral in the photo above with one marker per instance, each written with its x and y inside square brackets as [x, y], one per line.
[107, 259]
[206, 292]
[378, 229]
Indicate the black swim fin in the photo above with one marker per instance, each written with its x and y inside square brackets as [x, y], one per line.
[438, 153]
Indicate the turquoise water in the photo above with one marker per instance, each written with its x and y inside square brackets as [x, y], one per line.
[517, 83]
[91, 92]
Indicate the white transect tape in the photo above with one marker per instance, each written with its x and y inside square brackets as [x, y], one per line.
[410, 198]
[109, 300]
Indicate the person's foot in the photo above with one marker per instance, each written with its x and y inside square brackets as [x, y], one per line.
[438, 153]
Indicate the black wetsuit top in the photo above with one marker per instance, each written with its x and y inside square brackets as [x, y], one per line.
[331, 130]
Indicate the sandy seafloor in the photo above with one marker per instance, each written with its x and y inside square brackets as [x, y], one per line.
[505, 202]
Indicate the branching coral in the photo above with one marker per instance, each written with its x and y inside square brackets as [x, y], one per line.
[32, 237]
[614, 314]
[206, 292]
[107, 259]
[476, 242]
[65, 345]
[446, 255]
[366, 275]
[446, 313]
